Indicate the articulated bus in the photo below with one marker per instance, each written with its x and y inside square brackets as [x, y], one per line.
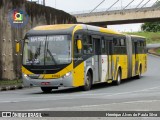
[79, 55]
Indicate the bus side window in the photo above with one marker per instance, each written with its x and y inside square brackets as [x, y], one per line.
[120, 46]
[109, 45]
[88, 45]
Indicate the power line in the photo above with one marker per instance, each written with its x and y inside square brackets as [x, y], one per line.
[145, 3]
[128, 4]
[112, 5]
[155, 2]
[44, 2]
[139, 4]
[97, 6]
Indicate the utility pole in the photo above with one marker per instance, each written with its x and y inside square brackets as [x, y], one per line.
[44, 2]
[121, 4]
[55, 3]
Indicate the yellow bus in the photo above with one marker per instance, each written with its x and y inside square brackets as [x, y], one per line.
[79, 55]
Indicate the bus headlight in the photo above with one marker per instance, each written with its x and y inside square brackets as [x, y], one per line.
[25, 75]
[67, 74]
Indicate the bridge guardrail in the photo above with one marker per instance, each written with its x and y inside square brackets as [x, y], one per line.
[114, 10]
[117, 11]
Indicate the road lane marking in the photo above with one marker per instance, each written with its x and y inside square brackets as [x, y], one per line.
[87, 106]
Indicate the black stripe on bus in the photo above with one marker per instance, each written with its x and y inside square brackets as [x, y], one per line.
[82, 59]
[45, 69]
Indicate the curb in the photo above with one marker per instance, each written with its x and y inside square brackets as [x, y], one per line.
[14, 87]
[154, 54]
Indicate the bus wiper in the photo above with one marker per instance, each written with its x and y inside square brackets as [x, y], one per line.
[38, 51]
[53, 59]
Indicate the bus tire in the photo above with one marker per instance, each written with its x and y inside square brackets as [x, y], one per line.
[139, 73]
[46, 89]
[118, 78]
[88, 82]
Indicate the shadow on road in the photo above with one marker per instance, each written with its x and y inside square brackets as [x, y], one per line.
[125, 81]
[77, 89]
[95, 87]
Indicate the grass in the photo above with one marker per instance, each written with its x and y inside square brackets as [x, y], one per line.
[158, 51]
[10, 82]
[152, 37]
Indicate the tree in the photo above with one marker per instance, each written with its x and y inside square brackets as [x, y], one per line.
[157, 4]
[151, 27]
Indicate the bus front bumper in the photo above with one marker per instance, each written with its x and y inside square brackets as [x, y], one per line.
[64, 82]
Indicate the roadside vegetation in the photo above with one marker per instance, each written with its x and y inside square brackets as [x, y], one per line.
[152, 37]
[158, 51]
[10, 82]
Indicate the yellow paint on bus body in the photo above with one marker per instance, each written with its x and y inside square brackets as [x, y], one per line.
[25, 71]
[54, 27]
[120, 61]
[59, 74]
[142, 60]
[78, 75]
[78, 72]
[105, 30]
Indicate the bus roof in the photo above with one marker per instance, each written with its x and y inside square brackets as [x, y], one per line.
[54, 27]
[69, 26]
[137, 36]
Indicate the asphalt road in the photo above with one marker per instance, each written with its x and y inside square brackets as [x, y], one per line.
[142, 95]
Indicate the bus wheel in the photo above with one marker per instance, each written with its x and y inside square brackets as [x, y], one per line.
[46, 89]
[139, 73]
[88, 82]
[118, 80]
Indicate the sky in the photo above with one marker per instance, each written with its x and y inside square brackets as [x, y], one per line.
[76, 6]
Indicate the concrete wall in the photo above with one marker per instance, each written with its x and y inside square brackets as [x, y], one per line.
[10, 61]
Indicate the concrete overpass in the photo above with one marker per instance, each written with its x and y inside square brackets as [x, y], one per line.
[148, 14]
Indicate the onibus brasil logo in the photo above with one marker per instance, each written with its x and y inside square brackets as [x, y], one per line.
[18, 18]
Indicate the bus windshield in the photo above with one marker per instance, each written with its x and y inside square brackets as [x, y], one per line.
[47, 50]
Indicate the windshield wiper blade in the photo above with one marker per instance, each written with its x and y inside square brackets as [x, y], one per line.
[53, 59]
[38, 51]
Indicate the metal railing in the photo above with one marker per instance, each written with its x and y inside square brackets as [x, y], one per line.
[122, 8]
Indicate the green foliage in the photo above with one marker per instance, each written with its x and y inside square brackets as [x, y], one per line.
[151, 27]
[10, 82]
[158, 51]
[152, 37]
[157, 4]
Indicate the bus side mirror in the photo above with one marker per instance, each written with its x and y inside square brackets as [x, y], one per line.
[79, 44]
[17, 47]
